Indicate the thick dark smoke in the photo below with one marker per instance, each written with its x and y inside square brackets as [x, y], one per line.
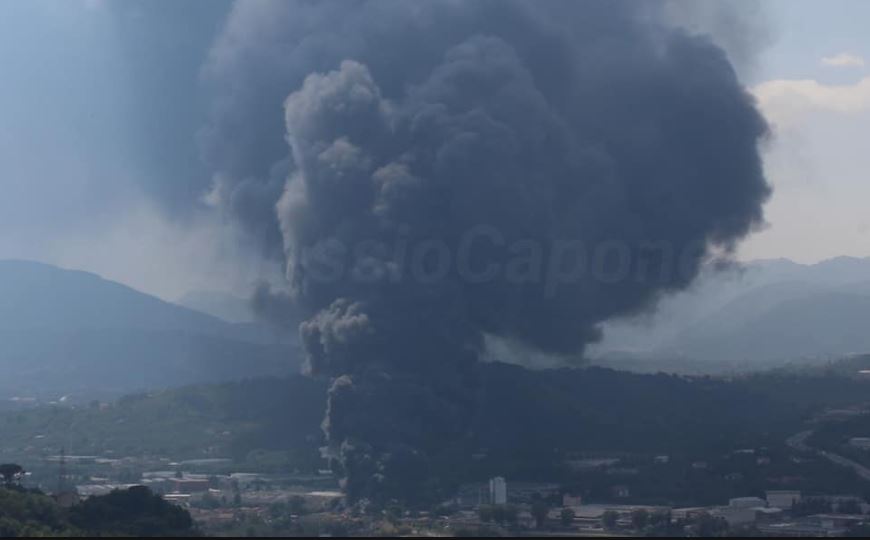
[458, 170]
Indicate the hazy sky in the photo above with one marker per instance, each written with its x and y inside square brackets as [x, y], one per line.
[87, 163]
[813, 85]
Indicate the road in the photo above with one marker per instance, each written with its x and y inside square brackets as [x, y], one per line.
[798, 442]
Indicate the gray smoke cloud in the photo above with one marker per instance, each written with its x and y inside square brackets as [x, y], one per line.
[465, 170]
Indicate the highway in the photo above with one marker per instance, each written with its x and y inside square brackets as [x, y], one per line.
[798, 442]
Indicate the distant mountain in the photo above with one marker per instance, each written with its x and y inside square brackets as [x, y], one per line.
[221, 305]
[65, 331]
[35, 295]
[780, 324]
[767, 313]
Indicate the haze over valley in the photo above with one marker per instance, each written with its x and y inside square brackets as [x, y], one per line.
[434, 268]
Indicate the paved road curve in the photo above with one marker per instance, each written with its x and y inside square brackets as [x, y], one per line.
[798, 441]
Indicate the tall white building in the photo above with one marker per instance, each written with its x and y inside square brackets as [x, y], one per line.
[498, 490]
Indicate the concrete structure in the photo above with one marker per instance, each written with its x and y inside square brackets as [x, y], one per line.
[178, 499]
[838, 500]
[498, 490]
[792, 529]
[205, 462]
[72, 460]
[819, 525]
[67, 498]
[691, 512]
[591, 515]
[862, 443]
[589, 464]
[837, 522]
[188, 485]
[622, 492]
[527, 492]
[746, 502]
[569, 500]
[767, 514]
[784, 499]
[735, 516]
[247, 480]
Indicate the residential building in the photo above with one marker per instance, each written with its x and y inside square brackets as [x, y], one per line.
[498, 490]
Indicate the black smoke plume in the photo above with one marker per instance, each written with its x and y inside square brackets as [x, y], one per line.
[459, 170]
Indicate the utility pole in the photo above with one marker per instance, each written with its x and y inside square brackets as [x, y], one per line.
[61, 471]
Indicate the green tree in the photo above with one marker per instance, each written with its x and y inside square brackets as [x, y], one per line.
[812, 505]
[659, 518]
[486, 513]
[132, 512]
[608, 519]
[28, 513]
[566, 516]
[858, 531]
[507, 513]
[11, 473]
[708, 526]
[296, 505]
[129, 476]
[540, 511]
[849, 507]
[639, 519]
[394, 512]
[209, 501]
[498, 513]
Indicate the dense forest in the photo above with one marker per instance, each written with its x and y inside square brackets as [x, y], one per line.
[528, 422]
[132, 512]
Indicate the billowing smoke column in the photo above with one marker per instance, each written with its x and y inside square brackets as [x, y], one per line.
[458, 170]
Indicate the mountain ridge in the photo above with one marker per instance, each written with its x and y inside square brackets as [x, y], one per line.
[69, 331]
[765, 313]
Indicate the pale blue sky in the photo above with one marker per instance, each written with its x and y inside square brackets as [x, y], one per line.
[820, 113]
[804, 31]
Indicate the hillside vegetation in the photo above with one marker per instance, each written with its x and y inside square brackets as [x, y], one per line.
[274, 423]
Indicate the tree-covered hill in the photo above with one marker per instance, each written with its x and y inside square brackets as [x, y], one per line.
[522, 416]
[132, 512]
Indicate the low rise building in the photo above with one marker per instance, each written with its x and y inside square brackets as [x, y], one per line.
[689, 513]
[861, 443]
[188, 485]
[569, 500]
[526, 492]
[791, 529]
[781, 498]
[837, 522]
[747, 502]
[589, 464]
[735, 516]
[767, 514]
[591, 515]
